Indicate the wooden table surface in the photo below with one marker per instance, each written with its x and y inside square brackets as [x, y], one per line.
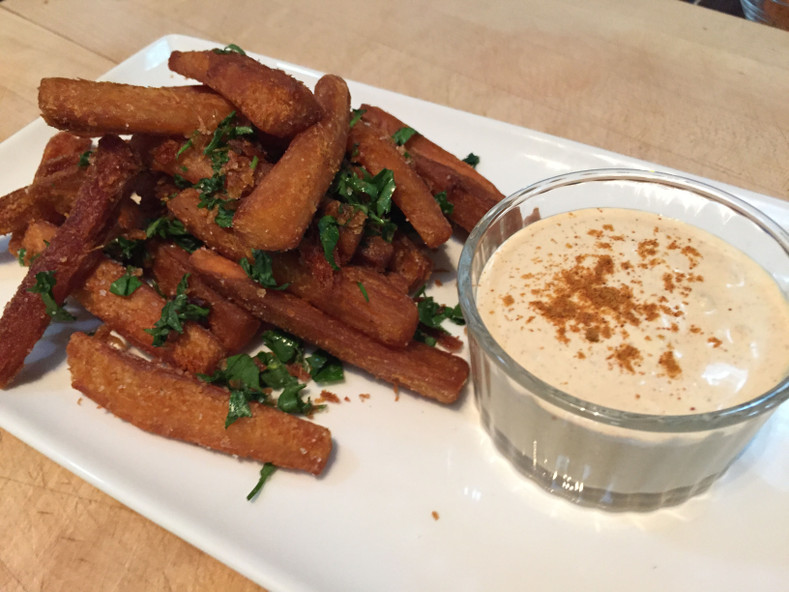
[665, 81]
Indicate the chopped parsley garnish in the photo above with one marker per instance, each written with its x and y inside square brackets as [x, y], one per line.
[20, 256]
[472, 159]
[446, 206]
[253, 378]
[174, 230]
[230, 48]
[402, 135]
[286, 348]
[126, 284]
[128, 251]
[175, 313]
[432, 315]
[370, 194]
[84, 159]
[329, 234]
[212, 189]
[363, 291]
[356, 115]
[259, 270]
[266, 471]
[45, 281]
[325, 368]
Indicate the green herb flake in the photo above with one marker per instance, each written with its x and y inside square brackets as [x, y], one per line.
[329, 234]
[325, 368]
[127, 284]
[356, 115]
[472, 159]
[363, 290]
[20, 256]
[446, 206]
[402, 135]
[290, 400]
[432, 315]
[45, 282]
[174, 230]
[175, 312]
[266, 471]
[286, 348]
[259, 270]
[84, 159]
[229, 48]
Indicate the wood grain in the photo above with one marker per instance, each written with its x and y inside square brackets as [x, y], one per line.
[663, 81]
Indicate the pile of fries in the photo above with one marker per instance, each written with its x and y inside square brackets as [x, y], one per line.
[190, 220]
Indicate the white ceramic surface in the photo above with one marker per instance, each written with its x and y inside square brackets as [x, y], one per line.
[367, 524]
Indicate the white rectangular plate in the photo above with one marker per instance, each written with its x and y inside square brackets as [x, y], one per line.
[368, 523]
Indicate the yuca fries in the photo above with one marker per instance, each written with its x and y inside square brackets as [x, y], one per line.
[431, 372]
[69, 257]
[274, 102]
[276, 214]
[169, 403]
[261, 204]
[87, 108]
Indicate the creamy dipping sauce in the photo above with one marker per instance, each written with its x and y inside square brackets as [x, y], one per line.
[636, 312]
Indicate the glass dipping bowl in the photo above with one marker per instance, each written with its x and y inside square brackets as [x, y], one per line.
[590, 454]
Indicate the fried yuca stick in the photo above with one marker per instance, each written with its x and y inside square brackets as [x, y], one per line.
[196, 350]
[430, 372]
[169, 403]
[409, 267]
[54, 186]
[468, 206]
[88, 108]
[358, 298]
[171, 156]
[276, 214]
[70, 255]
[275, 102]
[422, 146]
[376, 152]
[233, 326]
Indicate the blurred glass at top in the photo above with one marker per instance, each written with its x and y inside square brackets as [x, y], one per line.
[770, 12]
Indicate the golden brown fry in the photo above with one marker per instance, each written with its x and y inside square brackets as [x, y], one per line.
[32, 242]
[468, 206]
[233, 326]
[195, 350]
[275, 102]
[470, 193]
[375, 152]
[88, 108]
[376, 307]
[358, 297]
[418, 144]
[172, 157]
[200, 223]
[374, 252]
[169, 403]
[276, 214]
[54, 188]
[71, 254]
[351, 225]
[409, 267]
[430, 372]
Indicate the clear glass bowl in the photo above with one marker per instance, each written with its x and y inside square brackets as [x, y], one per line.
[770, 12]
[587, 453]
